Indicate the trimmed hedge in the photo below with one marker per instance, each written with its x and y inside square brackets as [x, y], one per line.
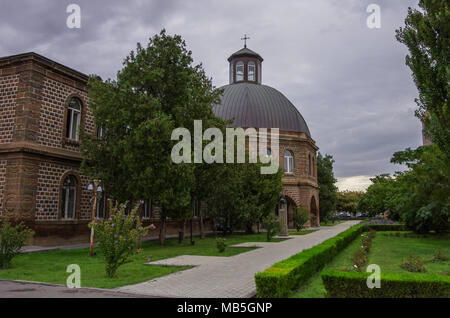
[386, 227]
[339, 284]
[283, 278]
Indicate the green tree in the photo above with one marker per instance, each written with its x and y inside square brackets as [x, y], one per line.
[301, 216]
[348, 201]
[327, 188]
[422, 193]
[427, 34]
[378, 197]
[158, 89]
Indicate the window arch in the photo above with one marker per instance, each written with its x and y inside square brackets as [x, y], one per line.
[251, 70]
[268, 152]
[313, 167]
[239, 71]
[288, 161]
[309, 165]
[73, 118]
[69, 197]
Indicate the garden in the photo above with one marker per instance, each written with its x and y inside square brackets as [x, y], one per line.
[412, 265]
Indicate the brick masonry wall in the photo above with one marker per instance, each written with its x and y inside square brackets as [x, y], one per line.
[8, 93]
[55, 96]
[2, 182]
[49, 192]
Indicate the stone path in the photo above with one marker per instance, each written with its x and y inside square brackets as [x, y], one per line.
[226, 277]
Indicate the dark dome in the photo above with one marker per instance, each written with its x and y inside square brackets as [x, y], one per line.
[259, 106]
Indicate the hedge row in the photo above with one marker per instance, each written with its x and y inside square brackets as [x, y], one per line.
[283, 278]
[339, 284]
[387, 227]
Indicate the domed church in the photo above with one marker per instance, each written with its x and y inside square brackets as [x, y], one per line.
[250, 104]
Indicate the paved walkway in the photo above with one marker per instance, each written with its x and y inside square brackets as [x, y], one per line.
[226, 277]
[21, 289]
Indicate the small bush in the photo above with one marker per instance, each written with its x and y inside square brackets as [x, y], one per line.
[301, 216]
[13, 238]
[221, 245]
[272, 226]
[414, 265]
[439, 256]
[119, 236]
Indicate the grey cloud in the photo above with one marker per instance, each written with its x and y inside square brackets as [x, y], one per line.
[349, 82]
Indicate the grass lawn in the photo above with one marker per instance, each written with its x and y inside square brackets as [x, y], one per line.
[50, 267]
[303, 232]
[389, 252]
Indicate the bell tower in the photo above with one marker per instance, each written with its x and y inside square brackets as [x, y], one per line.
[245, 66]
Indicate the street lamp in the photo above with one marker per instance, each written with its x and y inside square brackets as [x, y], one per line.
[96, 188]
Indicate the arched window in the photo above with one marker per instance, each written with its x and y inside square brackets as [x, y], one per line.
[288, 161]
[251, 71]
[196, 208]
[101, 205]
[69, 197]
[148, 209]
[269, 152]
[73, 118]
[239, 71]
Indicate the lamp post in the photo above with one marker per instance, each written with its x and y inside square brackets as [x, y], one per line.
[96, 188]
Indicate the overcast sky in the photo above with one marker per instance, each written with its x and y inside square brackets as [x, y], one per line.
[349, 82]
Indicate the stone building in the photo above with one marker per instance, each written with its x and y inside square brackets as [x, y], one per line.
[43, 104]
[251, 104]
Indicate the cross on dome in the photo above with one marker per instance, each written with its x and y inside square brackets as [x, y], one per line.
[245, 38]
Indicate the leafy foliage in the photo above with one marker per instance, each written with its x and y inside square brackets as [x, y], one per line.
[327, 188]
[12, 239]
[119, 236]
[348, 201]
[158, 90]
[221, 244]
[427, 34]
[272, 226]
[301, 216]
[340, 284]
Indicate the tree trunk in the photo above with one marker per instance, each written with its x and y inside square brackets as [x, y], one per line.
[214, 228]
[162, 231]
[183, 230]
[202, 230]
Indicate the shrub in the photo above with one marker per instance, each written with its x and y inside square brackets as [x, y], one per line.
[119, 236]
[221, 245]
[414, 265]
[13, 238]
[386, 227]
[339, 284]
[439, 256]
[286, 276]
[301, 216]
[272, 226]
